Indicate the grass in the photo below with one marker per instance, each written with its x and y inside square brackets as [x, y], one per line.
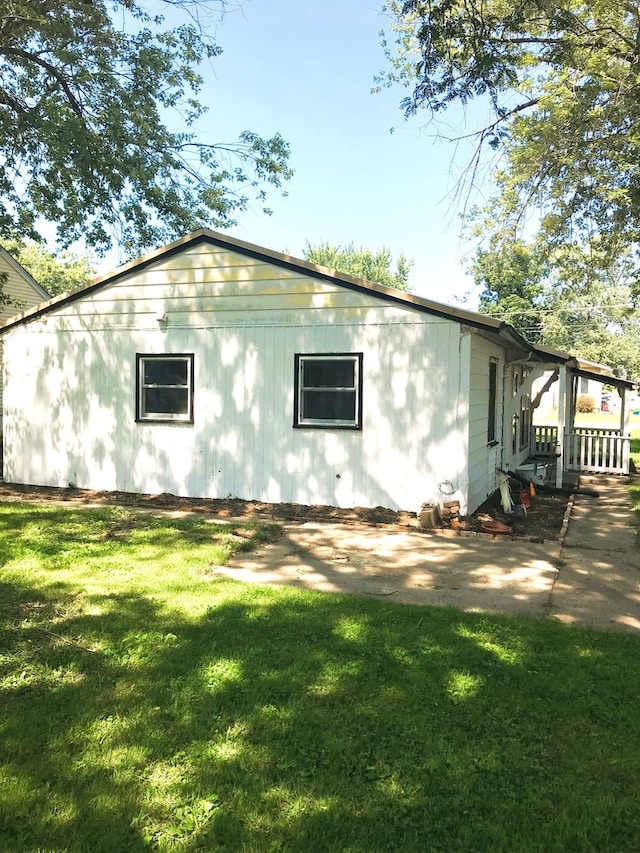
[148, 705]
[601, 420]
[605, 419]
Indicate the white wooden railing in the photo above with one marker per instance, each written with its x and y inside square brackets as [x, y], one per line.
[604, 451]
[543, 440]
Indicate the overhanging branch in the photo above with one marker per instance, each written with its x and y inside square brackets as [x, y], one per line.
[50, 69]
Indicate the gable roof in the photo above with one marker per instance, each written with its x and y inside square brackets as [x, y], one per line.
[490, 327]
[482, 322]
[17, 268]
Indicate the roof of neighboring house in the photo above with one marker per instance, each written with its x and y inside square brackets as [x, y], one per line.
[10, 261]
[490, 326]
[600, 373]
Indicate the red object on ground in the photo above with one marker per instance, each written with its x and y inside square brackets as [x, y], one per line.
[496, 527]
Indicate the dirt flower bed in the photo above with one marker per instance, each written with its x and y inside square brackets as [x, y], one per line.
[544, 517]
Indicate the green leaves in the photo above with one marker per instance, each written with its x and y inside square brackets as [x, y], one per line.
[85, 95]
[56, 274]
[563, 227]
[575, 298]
[362, 263]
[563, 84]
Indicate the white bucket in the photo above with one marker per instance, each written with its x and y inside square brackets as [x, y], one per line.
[535, 472]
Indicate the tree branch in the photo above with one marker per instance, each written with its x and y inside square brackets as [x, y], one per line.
[51, 69]
[17, 106]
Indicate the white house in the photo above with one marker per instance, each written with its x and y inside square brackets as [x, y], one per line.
[213, 367]
[20, 290]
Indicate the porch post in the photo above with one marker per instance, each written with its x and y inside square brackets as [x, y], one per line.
[624, 412]
[562, 413]
[624, 431]
[572, 401]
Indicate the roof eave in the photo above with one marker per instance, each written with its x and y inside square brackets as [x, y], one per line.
[21, 271]
[470, 318]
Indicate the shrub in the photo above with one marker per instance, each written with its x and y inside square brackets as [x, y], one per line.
[585, 404]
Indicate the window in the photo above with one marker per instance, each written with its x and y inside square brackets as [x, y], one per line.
[328, 391]
[525, 422]
[493, 386]
[165, 388]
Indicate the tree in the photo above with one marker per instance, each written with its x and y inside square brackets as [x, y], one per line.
[564, 297]
[362, 263]
[563, 84]
[513, 286]
[56, 273]
[85, 91]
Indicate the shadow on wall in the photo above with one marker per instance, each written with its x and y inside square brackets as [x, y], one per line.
[79, 385]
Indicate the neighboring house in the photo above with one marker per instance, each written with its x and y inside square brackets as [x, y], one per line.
[215, 368]
[589, 387]
[22, 291]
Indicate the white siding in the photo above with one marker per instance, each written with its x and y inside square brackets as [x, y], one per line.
[70, 398]
[22, 294]
[484, 458]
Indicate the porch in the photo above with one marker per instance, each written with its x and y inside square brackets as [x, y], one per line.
[590, 447]
[584, 449]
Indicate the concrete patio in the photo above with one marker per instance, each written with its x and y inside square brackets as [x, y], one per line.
[592, 578]
[599, 578]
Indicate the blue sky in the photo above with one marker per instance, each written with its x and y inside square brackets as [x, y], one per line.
[305, 69]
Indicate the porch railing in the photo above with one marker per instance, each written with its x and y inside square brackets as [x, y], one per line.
[543, 440]
[604, 451]
[597, 450]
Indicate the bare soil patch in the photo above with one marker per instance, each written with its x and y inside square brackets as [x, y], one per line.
[543, 521]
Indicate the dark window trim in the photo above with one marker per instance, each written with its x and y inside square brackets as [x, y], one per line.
[353, 356]
[165, 356]
[492, 439]
[525, 422]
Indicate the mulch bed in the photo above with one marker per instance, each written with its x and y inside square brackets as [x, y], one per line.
[544, 518]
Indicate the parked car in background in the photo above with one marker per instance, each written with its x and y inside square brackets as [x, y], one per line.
[611, 403]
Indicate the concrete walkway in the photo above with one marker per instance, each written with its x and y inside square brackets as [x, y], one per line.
[592, 579]
[407, 566]
[599, 578]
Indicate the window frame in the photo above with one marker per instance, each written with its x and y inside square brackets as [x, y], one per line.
[299, 421]
[492, 413]
[164, 417]
[525, 422]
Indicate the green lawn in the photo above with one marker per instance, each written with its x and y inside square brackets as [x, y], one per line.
[147, 705]
[601, 420]
[605, 419]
